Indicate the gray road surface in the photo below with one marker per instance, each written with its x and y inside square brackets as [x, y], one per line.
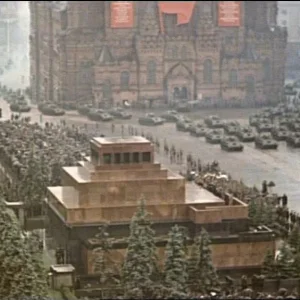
[252, 165]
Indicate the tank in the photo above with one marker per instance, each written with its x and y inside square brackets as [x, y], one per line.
[105, 117]
[265, 141]
[293, 140]
[253, 119]
[231, 143]
[264, 125]
[214, 122]
[245, 134]
[170, 116]
[231, 127]
[280, 133]
[120, 113]
[183, 125]
[20, 107]
[85, 109]
[214, 136]
[283, 121]
[198, 129]
[294, 124]
[151, 120]
[94, 114]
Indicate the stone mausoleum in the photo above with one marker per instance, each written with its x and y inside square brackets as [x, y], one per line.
[107, 187]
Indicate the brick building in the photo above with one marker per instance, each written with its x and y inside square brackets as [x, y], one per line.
[95, 51]
[107, 186]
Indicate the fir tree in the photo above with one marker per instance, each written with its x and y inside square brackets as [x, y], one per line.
[268, 267]
[284, 262]
[206, 273]
[252, 208]
[101, 252]
[33, 244]
[176, 265]
[140, 265]
[294, 238]
[19, 275]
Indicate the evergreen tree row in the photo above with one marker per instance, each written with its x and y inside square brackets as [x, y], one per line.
[142, 276]
[21, 264]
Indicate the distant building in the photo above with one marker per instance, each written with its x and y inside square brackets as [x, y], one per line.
[227, 52]
[289, 17]
[107, 187]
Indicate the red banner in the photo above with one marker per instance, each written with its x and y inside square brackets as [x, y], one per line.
[122, 14]
[229, 14]
[183, 10]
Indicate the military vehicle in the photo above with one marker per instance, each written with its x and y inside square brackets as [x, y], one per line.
[283, 121]
[183, 125]
[264, 125]
[231, 127]
[280, 133]
[19, 107]
[245, 134]
[214, 122]
[119, 113]
[253, 119]
[293, 140]
[51, 110]
[197, 130]
[85, 109]
[231, 143]
[105, 117]
[150, 120]
[214, 136]
[294, 124]
[265, 141]
[94, 114]
[170, 116]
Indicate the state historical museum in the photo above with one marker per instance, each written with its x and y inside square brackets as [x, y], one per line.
[226, 52]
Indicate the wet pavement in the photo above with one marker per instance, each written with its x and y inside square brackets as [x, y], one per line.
[281, 166]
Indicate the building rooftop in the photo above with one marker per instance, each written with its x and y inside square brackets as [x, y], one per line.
[121, 140]
[68, 196]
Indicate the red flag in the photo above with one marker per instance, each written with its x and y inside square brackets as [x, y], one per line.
[183, 10]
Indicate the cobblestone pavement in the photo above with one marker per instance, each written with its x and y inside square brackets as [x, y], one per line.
[252, 165]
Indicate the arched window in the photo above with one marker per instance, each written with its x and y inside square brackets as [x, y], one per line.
[151, 72]
[175, 52]
[124, 80]
[106, 90]
[267, 69]
[250, 85]
[233, 78]
[184, 52]
[207, 71]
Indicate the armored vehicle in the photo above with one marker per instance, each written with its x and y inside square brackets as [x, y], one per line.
[253, 119]
[19, 107]
[197, 130]
[245, 134]
[264, 125]
[150, 120]
[51, 110]
[280, 133]
[231, 127]
[105, 117]
[293, 140]
[85, 109]
[294, 124]
[170, 116]
[231, 143]
[214, 122]
[94, 114]
[119, 113]
[183, 125]
[265, 141]
[214, 136]
[283, 121]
